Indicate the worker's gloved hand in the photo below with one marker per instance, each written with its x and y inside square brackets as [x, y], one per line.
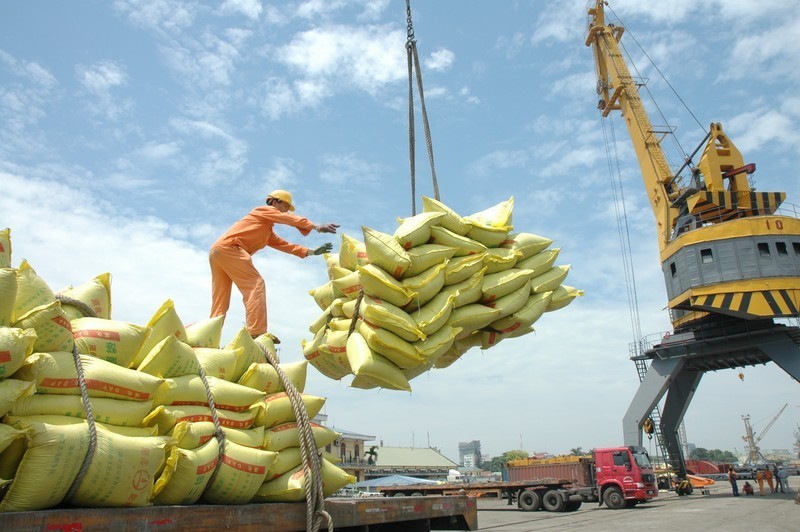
[327, 228]
[324, 248]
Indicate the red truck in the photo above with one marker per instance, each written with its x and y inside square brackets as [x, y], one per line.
[620, 477]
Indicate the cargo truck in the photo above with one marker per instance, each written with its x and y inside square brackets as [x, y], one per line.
[620, 477]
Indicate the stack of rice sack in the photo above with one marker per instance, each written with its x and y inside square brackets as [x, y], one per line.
[157, 394]
[423, 296]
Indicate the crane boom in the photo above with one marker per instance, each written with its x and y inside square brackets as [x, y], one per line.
[725, 251]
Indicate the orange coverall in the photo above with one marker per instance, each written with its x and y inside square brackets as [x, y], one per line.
[230, 260]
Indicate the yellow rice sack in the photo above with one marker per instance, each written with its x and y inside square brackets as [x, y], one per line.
[11, 391]
[436, 344]
[459, 269]
[451, 220]
[32, 291]
[50, 464]
[386, 252]
[531, 311]
[114, 341]
[8, 293]
[435, 313]
[205, 333]
[366, 363]
[528, 244]
[192, 434]
[403, 354]
[427, 256]
[190, 390]
[252, 437]
[286, 460]
[425, 285]
[497, 285]
[539, 263]
[264, 377]
[110, 411]
[378, 283]
[349, 285]
[122, 471]
[464, 246]
[331, 262]
[290, 487]
[165, 322]
[323, 295]
[549, 281]
[220, 363]
[278, 408]
[253, 351]
[391, 318]
[170, 358]
[322, 320]
[285, 435]
[490, 338]
[498, 216]
[131, 432]
[326, 363]
[466, 292]
[511, 303]
[352, 253]
[186, 474]
[500, 259]
[491, 237]
[240, 475]
[15, 346]
[473, 316]
[95, 293]
[5, 248]
[457, 350]
[53, 330]
[335, 345]
[562, 296]
[165, 417]
[8, 437]
[56, 374]
[416, 230]
[338, 272]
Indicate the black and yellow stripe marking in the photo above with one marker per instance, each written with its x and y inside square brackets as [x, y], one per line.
[749, 305]
[726, 205]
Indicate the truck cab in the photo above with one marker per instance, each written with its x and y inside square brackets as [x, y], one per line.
[624, 476]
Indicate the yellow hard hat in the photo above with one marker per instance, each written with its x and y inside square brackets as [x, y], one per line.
[283, 196]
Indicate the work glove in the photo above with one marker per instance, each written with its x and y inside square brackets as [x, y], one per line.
[327, 228]
[324, 248]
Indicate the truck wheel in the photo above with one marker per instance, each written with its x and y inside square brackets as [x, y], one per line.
[399, 494]
[529, 501]
[613, 498]
[572, 506]
[416, 494]
[552, 501]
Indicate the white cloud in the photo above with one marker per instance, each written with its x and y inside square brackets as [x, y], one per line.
[223, 157]
[500, 159]
[99, 80]
[440, 60]
[349, 170]
[250, 8]
[163, 16]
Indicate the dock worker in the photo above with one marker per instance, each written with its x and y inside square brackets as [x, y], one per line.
[732, 480]
[231, 257]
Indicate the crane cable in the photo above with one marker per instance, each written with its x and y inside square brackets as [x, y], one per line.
[413, 57]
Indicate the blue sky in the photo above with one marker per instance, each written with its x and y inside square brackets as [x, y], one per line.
[135, 132]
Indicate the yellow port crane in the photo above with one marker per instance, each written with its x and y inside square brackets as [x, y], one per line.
[730, 256]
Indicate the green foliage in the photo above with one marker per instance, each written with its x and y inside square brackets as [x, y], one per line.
[496, 464]
[713, 455]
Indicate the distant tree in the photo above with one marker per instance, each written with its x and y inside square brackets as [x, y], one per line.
[372, 455]
[713, 455]
[497, 463]
[577, 451]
